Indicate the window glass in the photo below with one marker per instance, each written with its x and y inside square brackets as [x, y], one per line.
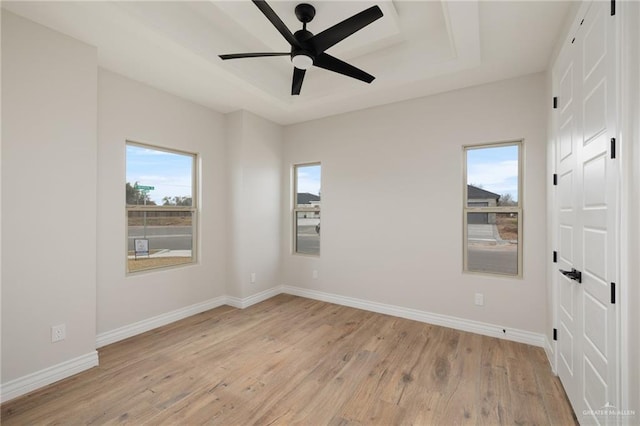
[492, 243]
[160, 207]
[306, 212]
[492, 176]
[492, 209]
[170, 174]
[308, 232]
[308, 186]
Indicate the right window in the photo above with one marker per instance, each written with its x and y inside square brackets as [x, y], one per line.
[492, 213]
[306, 209]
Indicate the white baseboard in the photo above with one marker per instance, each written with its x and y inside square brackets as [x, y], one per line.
[522, 336]
[131, 330]
[242, 303]
[549, 350]
[33, 381]
[486, 329]
[139, 327]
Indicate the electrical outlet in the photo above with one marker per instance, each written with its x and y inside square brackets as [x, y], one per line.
[479, 299]
[314, 274]
[58, 332]
[253, 278]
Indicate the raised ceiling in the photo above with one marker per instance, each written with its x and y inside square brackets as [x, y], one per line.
[416, 49]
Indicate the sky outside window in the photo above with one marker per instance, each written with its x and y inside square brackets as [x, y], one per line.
[494, 169]
[169, 173]
[308, 179]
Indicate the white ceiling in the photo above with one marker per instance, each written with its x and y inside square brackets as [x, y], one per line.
[416, 49]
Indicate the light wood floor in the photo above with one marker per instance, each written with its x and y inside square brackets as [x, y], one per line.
[293, 360]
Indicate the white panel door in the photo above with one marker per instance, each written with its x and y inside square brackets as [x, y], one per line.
[566, 74]
[587, 205]
[597, 213]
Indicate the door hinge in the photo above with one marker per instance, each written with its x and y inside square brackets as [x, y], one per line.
[555, 102]
[613, 7]
[555, 334]
[555, 179]
[613, 148]
[613, 293]
[555, 256]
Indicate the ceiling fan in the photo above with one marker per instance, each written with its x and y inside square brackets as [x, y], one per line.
[308, 49]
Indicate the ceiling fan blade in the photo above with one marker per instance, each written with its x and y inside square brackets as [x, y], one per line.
[276, 21]
[298, 77]
[334, 64]
[327, 38]
[252, 55]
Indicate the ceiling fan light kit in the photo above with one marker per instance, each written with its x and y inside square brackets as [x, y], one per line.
[302, 61]
[307, 49]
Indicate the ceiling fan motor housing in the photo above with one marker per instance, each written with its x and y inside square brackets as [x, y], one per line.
[305, 49]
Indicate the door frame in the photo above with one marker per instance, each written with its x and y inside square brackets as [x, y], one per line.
[629, 125]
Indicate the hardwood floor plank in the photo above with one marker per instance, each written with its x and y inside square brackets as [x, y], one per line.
[495, 398]
[527, 405]
[464, 361]
[290, 360]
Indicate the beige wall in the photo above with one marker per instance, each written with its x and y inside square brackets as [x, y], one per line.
[404, 163]
[254, 166]
[128, 110]
[49, 165]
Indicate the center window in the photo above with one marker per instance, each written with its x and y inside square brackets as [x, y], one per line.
[306, 211]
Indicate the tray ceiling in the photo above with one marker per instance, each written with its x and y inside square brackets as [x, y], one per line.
[417, 48]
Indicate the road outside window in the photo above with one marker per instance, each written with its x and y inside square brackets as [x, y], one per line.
[161, 207]
[306, 211]
[492, 209]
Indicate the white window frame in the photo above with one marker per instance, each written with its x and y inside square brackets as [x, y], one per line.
[296, 209]
[518, 209]
[151, 208]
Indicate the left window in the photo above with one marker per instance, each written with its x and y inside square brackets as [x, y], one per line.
[161, 207]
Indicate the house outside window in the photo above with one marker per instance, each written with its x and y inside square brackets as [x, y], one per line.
[478, 197]
[492, 212]
[306, 211]
[161, 207]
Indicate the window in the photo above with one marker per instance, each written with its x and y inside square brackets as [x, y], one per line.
[493, 208]
[306, 210]
[161, 207]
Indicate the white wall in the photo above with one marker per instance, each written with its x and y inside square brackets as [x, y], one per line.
[128, 110]
[49, 167]
[254, 161]
[392, 202]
